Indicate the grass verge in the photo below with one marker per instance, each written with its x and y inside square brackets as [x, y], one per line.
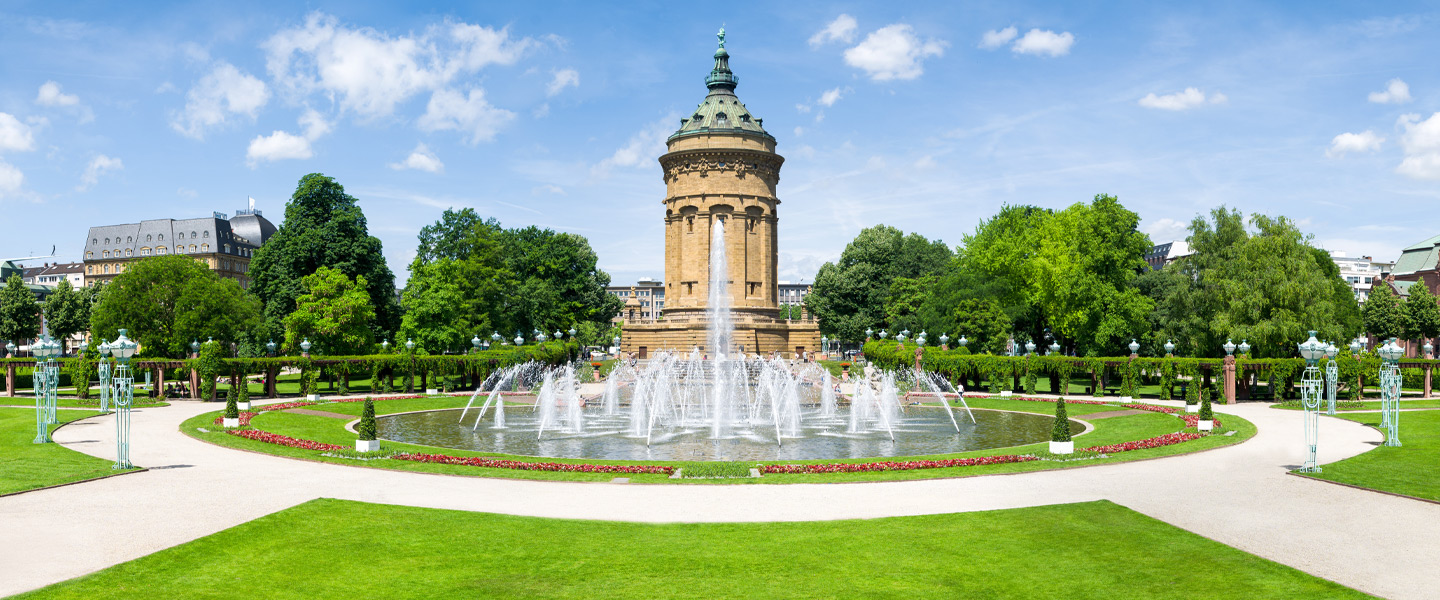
[1091, 550]
[1408, 469]
[25, 465]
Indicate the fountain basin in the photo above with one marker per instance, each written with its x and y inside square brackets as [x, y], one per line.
[920, 431]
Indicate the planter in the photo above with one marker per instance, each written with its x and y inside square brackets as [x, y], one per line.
[244, 406]
[431, 391]
[312, 397]
[229, 423]
[367, 445]
[1005, 394]
[1125, 399]
[1192, 408]
[1062, 447]
[1204, 425]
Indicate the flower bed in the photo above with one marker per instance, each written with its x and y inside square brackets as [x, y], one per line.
[1052, 400]
[1152, 408]
[895, 466]
[1194, 420]
[476, 461]
[285, 405]
[1168, 439]
[283, 440]
[244, 419]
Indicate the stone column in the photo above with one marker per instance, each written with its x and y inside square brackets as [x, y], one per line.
[10, 380]
[270, 374]
[1428, 356]
[1229, 379]
[195, 379]
[159, 382]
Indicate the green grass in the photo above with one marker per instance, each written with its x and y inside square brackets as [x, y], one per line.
[1408, 469]
[63, 402]
[1346, 405]
[341, 549]
[25, 465]
[715, 469]
[331, 430]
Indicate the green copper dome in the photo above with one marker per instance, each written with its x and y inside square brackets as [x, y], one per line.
[721, 111]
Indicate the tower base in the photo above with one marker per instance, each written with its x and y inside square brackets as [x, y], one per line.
[792, 339]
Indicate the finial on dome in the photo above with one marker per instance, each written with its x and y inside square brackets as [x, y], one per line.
[721, 35]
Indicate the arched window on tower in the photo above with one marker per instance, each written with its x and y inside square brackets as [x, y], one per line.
[721, 120]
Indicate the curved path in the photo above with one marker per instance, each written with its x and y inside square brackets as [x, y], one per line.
[1239, 495]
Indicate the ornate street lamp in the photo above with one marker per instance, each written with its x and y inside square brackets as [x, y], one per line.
[905, 333]
[572, 333]
[124, 384]
[1054, 347]
[869, 333]
[1030, 347]
[270, 348]
[409, 345]
[475, 342]
[1134, 347]
[824, 343]
[945, 340]
[1390, 379]
[901, 338]
[1170, 349]
[1355, 347]
[41, 351]
[1429, 349]
[385, 346]
[883, 334]
[1229, 347]
[519, 339]
[1245, 347]
[305, 348]
[10, 349]
[921, 339]
[1332, 375]
[104, 368]
[1310, 394]
[615, 341]
[495, 337]
[194, 346]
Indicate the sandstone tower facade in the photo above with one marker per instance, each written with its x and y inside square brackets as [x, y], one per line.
[721, 168]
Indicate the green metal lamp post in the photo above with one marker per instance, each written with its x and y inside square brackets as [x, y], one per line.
[40, 350]
[475, 343]
[1390, 379]
[1332, 377]
[124, 395]
[52, 378]
[519, 339]
[104, 368]
[1310, 395]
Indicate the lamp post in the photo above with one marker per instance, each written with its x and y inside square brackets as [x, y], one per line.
[1229, 348]
[963, 341]
[124, 383]
[519, 339]
[1310, 394]
[1054, 347]
[1170, 349]
[571, 333]
[1390, 378]
[884, 334]
[1030, 348]
[615, 341]
[475, 343]
[104, 370]
[824, 343]
[1355, 348]
[921, 340]
[10, 349]
[1332, 376]
[1134, 348]
[945, 341]
[270, 348]
[410, 377]
[305, 348]
[385, 346]
[41, 379]
[869, 333]
[194, 348]
[1245, 347]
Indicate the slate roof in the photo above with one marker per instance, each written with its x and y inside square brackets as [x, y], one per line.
[1421, 256]
[171, 233]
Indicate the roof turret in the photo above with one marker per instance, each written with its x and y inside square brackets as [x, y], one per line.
[721, 111]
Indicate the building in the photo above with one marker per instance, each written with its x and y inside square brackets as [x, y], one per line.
[1164, 254]
[721, 172]
[50, 274]
[649, 297]
[793, 294]
[1360, 272]
[1419, 263]
[216, 241]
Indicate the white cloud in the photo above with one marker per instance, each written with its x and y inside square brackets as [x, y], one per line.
[50, 95]
[449, 109]
[420, 159]
[98, 166]
[830, 97]
[548, 188]
[371, 72]
[563, 78]
[1186, 100]
[841, 29]
[799, 131]
[11, 180]
[1421, 142]
[1365, 141]
[893, 52]
[804, 108]
[1167, 230]
[642, 149]
[991, 40]
[282, 145]
[1044, 42]
[15, 135]
[224, 91]
[1396, 92]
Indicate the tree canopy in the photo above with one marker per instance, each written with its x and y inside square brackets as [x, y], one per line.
[849, 295]
[167, 301]
[19, 311]
[334, 312]
[67, 310]
[1422, 313]
[323, 227]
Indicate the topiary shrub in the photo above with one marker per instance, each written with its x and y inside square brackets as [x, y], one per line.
[366, 429]
[232, 409]
[211, 363]
[1061, 431]
[1205, 413]
[242, 391]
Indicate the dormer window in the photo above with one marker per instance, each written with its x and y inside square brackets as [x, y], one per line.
[181, 235]
[721, 120]
[162, 237]
[107, 241]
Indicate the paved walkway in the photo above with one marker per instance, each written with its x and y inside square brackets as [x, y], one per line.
[1239, 495]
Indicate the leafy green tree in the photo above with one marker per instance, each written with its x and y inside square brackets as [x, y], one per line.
[323, 227]
[849, 295]
[67, 311]
[167, 301]
[561, 283]
[985, 326]
[334, 311]
[907, 296]
[1422, 313]
[19, 311]
[1384, 315]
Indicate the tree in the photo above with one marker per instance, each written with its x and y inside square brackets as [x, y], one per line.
[903, 304]
[1384, 316]
[323, 227]
[167, 301]
[19, 312]
[67, 311]
[985, 325]
[1422, 313]
[334, 311]
[849, 295]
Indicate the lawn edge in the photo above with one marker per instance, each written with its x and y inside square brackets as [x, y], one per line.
[60, 485]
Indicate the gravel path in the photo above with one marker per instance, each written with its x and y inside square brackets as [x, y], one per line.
[1238, 495]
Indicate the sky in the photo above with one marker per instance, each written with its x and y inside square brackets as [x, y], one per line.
[926, 116]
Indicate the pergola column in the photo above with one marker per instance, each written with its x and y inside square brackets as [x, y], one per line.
[1229, 379]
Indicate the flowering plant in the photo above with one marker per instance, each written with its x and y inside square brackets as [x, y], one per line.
[895, 466]
[243, 416]
[283, 440]
[477, 461]
[1151, 407]
[1168, 439]
[1194, 420]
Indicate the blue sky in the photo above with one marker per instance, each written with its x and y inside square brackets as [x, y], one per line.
[924, 116]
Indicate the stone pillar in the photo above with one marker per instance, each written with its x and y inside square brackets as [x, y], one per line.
[1229, 380]
[1428, 356]
[10, 379]
[195, 379]
[159, 381]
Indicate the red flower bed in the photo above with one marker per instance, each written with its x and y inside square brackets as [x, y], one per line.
[895, 466]
[1031, 399]
[1152, 408]
[244, 419]
[476, 461]
[1168, 439]
[1194, 420]
[283, 440]
[285, 405]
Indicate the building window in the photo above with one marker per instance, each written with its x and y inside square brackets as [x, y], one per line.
[162, 237]
[227, 248]
[129, 240]
[149, 238]
[204, 247]
[721, 120]
[129, 252]
[144, 252]
[107, 241]
[105, 254]
[180, 236]
[193, 236]
[94, 241]
[89, 269]
[179, 249]
[89, 255]
[107, 269]
[160, 250]
[207, 233]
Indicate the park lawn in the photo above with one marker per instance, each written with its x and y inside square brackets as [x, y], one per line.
[1408, 469]
[331, 430]
[341, 549]
[62, 402]
[25, 465]
[1350, 406]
